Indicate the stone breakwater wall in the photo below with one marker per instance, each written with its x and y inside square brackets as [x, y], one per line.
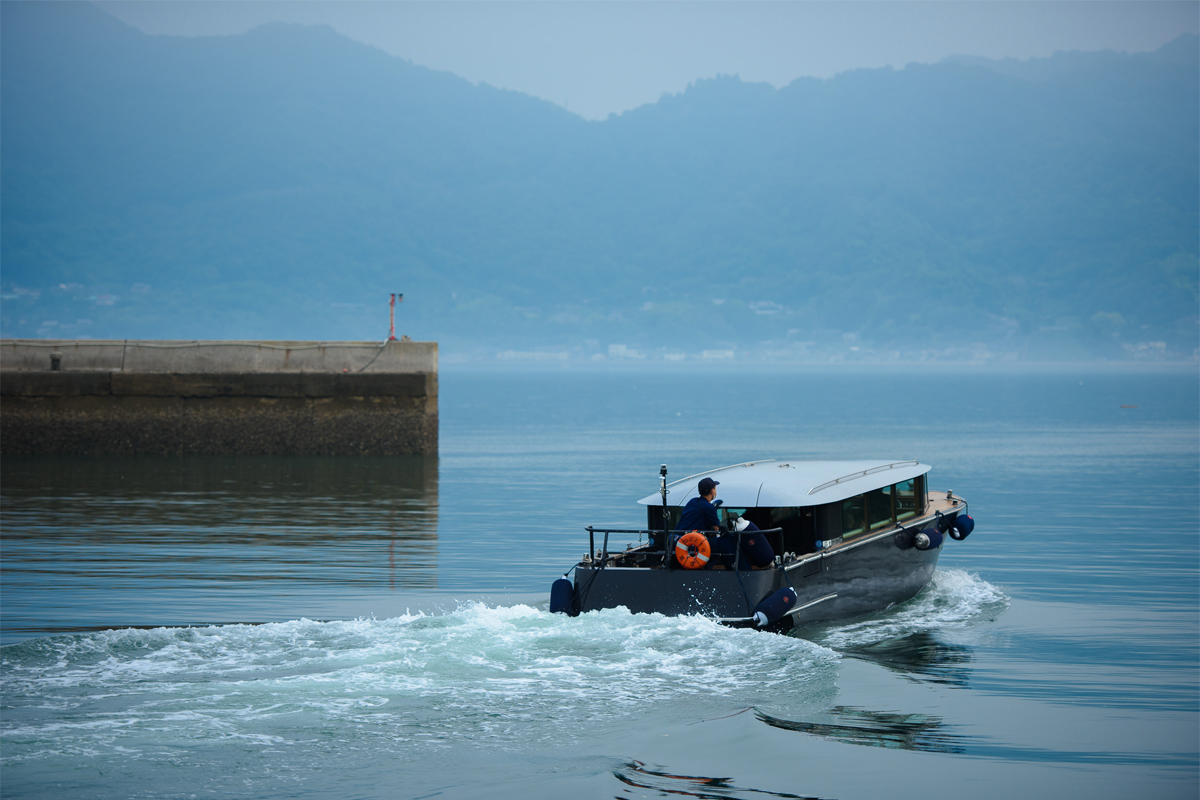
[120, 397]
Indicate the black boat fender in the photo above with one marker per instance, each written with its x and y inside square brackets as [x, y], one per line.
[962, 527]
[757, 549]
[562, 597]
[928, 539]
[775, 606]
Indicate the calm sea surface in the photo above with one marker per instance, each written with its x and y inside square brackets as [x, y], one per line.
[376, 628]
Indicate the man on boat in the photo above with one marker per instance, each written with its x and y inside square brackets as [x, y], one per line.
[700, 514]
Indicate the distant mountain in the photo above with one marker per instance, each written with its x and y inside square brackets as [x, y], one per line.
[278, 184]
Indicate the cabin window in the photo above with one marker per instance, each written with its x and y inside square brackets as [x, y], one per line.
[727, 515]
[853, 519]
[882, 507]
[906, 499]
[879, 507]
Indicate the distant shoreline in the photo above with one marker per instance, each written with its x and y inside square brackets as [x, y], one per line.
[451, 366]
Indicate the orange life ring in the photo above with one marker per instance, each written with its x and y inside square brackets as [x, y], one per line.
[692, 550]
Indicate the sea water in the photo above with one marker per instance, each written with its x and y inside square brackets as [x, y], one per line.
[245, 627]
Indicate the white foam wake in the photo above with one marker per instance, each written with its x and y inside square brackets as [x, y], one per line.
[954, 599]
[475, 674]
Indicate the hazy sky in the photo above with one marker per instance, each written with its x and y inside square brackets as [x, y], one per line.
[602, 57]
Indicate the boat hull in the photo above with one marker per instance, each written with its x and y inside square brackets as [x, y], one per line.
[849, 580]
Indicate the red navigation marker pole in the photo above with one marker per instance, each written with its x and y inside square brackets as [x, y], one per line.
[392, 316]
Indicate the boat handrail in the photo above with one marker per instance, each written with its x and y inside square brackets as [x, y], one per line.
[605, 553]
[794, 611]
[861, 474]
[590, 529]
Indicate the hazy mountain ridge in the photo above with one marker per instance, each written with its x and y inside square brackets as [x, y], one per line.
[246, 184]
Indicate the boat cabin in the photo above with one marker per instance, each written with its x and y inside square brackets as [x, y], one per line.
[813, 504]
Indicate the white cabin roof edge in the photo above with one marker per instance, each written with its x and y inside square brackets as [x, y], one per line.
[791, 483]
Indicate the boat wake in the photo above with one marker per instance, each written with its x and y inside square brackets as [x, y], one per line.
[473, 674]
[954, 599]
[476, 674]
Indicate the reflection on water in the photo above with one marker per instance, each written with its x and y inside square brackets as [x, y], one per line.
[862, 726]
[641, 776]
[209, 539]
[919, 656]
[930, 734]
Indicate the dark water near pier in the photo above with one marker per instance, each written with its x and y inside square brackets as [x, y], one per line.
[376, 627]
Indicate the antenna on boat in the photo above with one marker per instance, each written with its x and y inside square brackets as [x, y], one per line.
[662, 476]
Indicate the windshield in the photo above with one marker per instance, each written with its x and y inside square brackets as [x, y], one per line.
[729, 516]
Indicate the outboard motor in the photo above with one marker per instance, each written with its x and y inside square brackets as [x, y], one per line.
[774, 607]
[562, 597]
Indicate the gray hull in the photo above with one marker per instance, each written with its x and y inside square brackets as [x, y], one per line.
[846, 581]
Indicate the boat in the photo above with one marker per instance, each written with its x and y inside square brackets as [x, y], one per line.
[796, 542]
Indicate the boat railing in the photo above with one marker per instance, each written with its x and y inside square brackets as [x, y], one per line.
[861, 474]
[603, 554]
[720, 469]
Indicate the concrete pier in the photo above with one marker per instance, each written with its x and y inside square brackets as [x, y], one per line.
[217, 397]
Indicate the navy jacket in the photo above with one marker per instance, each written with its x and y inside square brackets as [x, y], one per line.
[698, 515]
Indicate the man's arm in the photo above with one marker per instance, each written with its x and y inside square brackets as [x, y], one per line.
[713, 520]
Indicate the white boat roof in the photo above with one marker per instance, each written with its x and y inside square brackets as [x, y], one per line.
[787, 484]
